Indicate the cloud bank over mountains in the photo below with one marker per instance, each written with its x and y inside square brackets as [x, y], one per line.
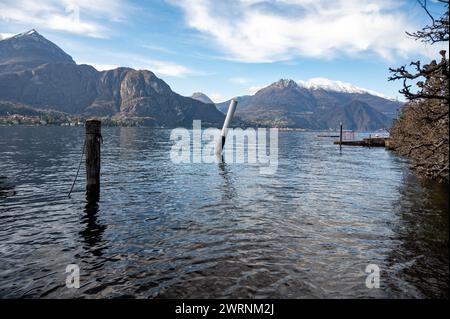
[83, 17]
[268, 31]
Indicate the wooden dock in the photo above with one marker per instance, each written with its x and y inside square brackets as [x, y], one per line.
[367, 142]
[329, 135]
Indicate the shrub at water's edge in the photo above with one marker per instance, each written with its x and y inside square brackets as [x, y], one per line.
[421, 132]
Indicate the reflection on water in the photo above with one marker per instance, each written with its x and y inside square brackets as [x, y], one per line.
[6, 187]
[93, 230]
[162, 230]
[228, 189]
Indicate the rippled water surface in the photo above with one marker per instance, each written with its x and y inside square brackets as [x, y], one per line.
[215, 230]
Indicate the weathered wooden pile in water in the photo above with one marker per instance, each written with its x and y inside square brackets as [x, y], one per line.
[368, 142]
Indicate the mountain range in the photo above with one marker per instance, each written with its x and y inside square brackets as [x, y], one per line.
[287, 103]
[35, 74]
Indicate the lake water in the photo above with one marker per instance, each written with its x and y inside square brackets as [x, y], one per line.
[165, 230]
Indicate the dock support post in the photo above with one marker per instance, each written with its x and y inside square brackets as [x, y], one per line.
[226, 123]
[93, 140]
[340, 136]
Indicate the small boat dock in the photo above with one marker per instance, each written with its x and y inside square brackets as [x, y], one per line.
[329, 135]
[367, 142]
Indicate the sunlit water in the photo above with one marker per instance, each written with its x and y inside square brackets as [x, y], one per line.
[215, 230]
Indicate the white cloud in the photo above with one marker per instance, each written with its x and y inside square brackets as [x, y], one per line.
[101, 66]
[5, 35]
[158, 48]
[84, 17]
[138, 62]
[266, 31]
[108, 60]
[253, 89]
[166, 68]
[240, 80]
[216, 97]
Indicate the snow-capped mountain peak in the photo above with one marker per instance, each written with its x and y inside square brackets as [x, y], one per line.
[28, 33]
[285, 83]
[337, 86]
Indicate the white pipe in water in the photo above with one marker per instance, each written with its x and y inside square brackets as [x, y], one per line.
[226, 123]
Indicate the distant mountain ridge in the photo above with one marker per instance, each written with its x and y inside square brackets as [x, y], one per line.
[285, 103]
[37, 73]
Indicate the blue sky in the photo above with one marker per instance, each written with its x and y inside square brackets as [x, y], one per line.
[231, 48]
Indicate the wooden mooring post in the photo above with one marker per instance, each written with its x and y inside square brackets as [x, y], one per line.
[340, 136]
[93, 141]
